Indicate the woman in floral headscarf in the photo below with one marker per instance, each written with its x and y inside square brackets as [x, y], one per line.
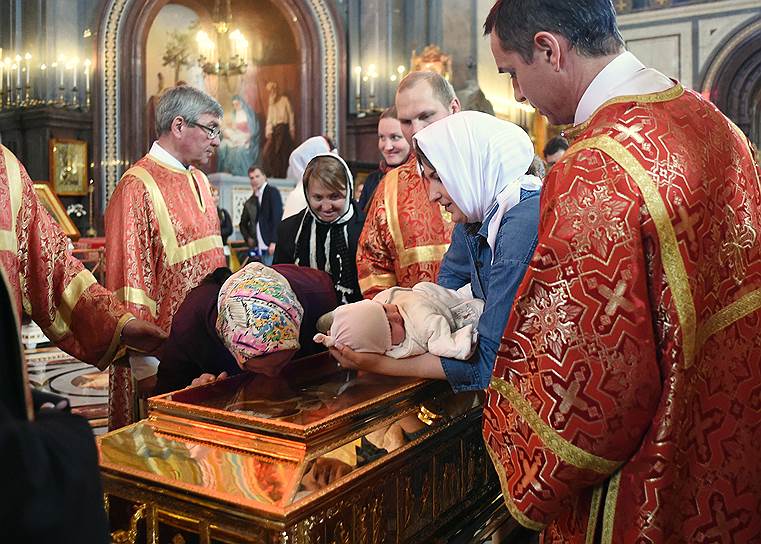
[257, 319]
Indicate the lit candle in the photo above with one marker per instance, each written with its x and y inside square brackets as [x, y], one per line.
[373, 74]
[87, 75]
[61, 69]
[44, 82]
[74, 72]
[358, 79]
[7, 64]
[17, 66]
[27, 58]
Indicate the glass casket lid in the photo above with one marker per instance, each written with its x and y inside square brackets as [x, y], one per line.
[312, 402]
[275, 444]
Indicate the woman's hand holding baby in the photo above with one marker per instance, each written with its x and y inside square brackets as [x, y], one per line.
[420, 366]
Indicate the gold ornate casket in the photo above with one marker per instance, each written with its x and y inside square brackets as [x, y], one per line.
[319, 455]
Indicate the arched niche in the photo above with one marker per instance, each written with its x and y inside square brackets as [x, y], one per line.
[120, 92]
[732, 79]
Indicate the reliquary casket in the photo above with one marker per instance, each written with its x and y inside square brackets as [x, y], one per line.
[318, 455]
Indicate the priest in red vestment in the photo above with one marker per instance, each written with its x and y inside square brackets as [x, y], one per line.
[625, 404]
[405, 236]
[51, 286]
[162, 229]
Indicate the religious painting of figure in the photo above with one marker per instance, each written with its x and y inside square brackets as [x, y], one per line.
[260, 98]
[280, 132]
[240, 138]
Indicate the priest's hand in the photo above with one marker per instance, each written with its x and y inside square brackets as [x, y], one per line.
[142, 336]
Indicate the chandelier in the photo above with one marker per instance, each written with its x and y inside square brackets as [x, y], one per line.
[226, 54]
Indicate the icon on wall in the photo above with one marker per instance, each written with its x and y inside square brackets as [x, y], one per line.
[68, 167]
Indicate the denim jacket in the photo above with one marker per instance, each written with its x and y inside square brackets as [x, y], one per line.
[469, 261]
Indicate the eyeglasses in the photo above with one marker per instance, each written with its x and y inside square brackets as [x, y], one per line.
[211, 132]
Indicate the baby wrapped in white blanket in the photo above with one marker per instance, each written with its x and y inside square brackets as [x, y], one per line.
[403, 322]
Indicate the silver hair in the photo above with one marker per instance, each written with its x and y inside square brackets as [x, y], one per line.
[186, 102]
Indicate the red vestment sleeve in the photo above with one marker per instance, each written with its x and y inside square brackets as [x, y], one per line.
[63, 298]
[131, 234]
[576, 381]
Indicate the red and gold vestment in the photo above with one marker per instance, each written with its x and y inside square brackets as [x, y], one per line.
[162, 238]
[625, 404]
[405, 236]
[46, 281]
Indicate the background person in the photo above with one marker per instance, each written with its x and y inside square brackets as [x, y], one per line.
[405, 236]
[324, 235]
[261, 215]
[554, 150]
[225, 221]
[297, 162]
[394, 149]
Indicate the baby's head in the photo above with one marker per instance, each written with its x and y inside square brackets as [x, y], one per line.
[366, 326]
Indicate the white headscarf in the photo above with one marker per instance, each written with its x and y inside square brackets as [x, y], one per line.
[482, 163]
[336, 240]
[297, 163]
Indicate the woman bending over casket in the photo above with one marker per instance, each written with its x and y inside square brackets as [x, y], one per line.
[257, 319]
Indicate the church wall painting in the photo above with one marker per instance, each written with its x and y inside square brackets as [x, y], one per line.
[172, 55]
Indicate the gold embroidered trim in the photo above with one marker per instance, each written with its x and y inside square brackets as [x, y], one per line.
[137, 296]
[377, 280]
[519, 516]
[664, 96]
[195, 188]
[174, 252]
[673, 264]
[561, 447]
[722, 319]
[594, 511]
[414, 255]
[609, 514]
[69, 298]
[8, 240]
[115, 342]
[749, 146]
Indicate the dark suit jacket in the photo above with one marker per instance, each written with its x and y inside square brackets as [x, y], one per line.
[269, 214]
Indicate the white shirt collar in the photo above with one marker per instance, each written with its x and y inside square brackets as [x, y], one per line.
[623, 76]
[162, 155]
[260, 192]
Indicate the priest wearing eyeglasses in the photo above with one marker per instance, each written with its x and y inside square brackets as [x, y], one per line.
[162, 229]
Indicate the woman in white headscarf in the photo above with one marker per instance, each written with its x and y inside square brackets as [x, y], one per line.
[297, 162]
[325, 233]
[479, 169]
